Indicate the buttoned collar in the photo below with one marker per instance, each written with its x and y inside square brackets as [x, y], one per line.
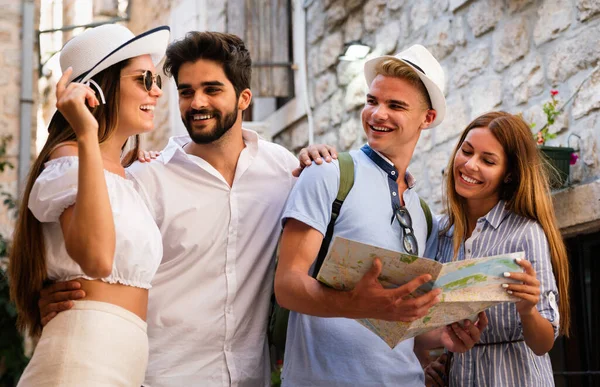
[387, 166]
[494, 217]
[497, 214]
[176, 143]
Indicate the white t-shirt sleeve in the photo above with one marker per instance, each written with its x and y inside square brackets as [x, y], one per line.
[312, 196]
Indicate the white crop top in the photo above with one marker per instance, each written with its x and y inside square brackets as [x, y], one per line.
[138, 249]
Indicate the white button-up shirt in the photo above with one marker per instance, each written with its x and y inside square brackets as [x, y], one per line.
[209, 302]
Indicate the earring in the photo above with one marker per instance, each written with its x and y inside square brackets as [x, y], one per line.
[507, 180]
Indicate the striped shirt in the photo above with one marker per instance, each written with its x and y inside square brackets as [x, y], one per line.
[510, 364]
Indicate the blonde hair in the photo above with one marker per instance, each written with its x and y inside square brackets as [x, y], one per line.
[27, 262]
[527, 194]
[398, 69]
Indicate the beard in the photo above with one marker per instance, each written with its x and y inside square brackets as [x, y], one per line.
[222, 125]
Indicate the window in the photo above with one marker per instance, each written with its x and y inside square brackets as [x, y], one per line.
[274, 33]
[576, 360]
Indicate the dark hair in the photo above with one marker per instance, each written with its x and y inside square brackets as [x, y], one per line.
[226, 49]
[27, 263]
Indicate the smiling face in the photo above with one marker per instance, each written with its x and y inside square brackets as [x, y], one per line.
[207, 101]
[480, 167]
[136, 105]
[394, 115]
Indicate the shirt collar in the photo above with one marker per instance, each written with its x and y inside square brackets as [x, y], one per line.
[387, 166]
[497, 214]
[176, 144]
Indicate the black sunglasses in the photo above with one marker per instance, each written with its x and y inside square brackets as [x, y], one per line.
[148, 79]
[409, 240]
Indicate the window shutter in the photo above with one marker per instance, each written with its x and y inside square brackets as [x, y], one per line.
[264, 25]
[108, 8]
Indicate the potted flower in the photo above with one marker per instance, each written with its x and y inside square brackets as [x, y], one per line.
[558, 158]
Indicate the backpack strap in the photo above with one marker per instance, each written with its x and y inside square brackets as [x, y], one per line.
[346, 182]
[428, 217]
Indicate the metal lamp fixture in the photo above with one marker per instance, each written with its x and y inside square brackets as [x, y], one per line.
[354, 51]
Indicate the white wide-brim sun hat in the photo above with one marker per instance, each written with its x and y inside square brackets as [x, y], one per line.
[428, 69]
[98, 48]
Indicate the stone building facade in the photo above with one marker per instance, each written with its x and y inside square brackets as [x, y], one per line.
[11, 40]
[497, 55]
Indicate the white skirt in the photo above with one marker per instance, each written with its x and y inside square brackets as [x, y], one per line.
[92, 344]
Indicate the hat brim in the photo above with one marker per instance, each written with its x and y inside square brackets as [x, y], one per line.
[153, 42]
[438, 101]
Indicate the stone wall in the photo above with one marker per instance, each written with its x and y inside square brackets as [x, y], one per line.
[497, 55]
[147, 14]
[10, 91]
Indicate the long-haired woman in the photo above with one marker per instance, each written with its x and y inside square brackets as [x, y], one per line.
[498, 202]
[81, 219]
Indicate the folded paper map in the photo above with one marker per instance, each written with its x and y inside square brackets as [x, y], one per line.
[468, 286]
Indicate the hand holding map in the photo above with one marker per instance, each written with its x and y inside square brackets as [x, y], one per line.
[370, 299]
[468, 286]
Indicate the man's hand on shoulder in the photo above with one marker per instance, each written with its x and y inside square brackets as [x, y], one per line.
[147, 156]
[58, 297]
[316, 153]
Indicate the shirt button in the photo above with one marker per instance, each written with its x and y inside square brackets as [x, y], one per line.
[478, 230]
[393, 173]
[394, 193]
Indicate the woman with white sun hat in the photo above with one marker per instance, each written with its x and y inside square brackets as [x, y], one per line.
[81, 219]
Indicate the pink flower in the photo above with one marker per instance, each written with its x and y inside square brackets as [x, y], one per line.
[540, 138]
[553, 92]
[574, 158]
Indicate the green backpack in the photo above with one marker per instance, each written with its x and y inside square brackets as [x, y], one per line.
[279, 316]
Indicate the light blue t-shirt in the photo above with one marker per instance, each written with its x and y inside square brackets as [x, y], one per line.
[340, 351]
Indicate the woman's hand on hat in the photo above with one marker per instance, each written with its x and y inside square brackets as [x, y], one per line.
[71, 102]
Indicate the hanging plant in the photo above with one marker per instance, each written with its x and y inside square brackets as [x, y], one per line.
[551, 111]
